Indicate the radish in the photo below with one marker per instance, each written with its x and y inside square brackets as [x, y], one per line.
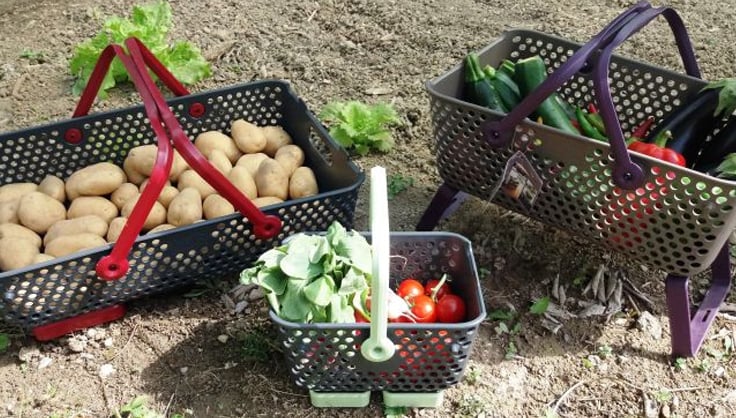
[398, 308]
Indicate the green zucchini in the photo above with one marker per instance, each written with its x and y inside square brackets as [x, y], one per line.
[529, 73]
[478, 88]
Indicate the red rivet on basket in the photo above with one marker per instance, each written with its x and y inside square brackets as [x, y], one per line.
[73, 136]
[196, 110]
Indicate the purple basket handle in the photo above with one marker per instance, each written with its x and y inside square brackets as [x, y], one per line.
[498, 133]
[626, 173]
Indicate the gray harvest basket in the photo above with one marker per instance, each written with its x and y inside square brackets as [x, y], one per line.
[327, 358]
[659, 214]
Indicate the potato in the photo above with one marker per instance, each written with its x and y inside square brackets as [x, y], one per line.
[16, 253]
[14, 191]
[215, 206]
[162, 227]
[123, 194]
[139, 163]
[251, 162]
[266, 201]
[92, 205]
[54, 187]
[276, 137]
[40, 258]
[167, 195]
[116, 227]
[191, 178]
[271, 180]
[290, 157]
[211, 140]
[68, 244]
[186, 208]
[20, 232]
[220, 161]
[303, 183]
[9, 211]
[243, 181]
[92, 224]
[155, 217]
[248, 137]
[38, 211]
[95, 180]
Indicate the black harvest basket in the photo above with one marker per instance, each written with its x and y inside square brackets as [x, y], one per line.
[66, 288]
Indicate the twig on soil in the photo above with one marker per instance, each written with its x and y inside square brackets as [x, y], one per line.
[171, 400]
[566, 394]
[633, 304]
[130, 337]
[687, 389]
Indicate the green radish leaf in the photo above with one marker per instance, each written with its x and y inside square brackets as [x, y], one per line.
[298, 266]
[726, 97]
[320, 291]
[294, 305]
[340, 310]
[271, 258]
[353, 282]
[273, 280]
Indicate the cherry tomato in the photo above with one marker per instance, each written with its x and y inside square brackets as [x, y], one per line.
[424, 309]
[409, 289]
[443, 290]
[451, 309]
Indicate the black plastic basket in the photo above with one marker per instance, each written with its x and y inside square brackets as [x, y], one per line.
[69, 289]
[327, 359]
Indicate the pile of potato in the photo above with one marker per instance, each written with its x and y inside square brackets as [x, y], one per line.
[57, 217]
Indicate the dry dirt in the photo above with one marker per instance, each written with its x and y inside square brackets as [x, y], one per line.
[168, 348]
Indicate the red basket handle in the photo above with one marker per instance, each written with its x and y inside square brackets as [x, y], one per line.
[115, 265]
[264, 226]
[626, 174]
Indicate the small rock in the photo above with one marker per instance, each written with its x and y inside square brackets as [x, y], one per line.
[255, 294]
[91, 333]
[27, 354]
[106, 370]
[77, 344]
[650, 408]
[108, 342]
[44, 362]
[648, 324]
[621, 322]
[222, 338]
[665, 412]
[240, 306]
[719, 371]
[184, 370]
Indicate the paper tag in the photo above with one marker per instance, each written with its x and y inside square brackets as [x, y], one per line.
[520, 181]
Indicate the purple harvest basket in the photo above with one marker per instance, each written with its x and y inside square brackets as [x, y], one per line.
[665, 216]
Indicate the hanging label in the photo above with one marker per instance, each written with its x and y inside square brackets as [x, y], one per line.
[520, 181]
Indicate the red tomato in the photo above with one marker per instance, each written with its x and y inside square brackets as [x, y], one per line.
[443, 290]
[424, 309]
[409, 289]
[451, 309]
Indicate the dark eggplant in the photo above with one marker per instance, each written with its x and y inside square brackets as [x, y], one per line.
[692, 122]
[716, 150]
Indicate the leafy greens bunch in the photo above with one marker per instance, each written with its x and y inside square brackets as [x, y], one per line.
[149, 23]
[356, 125]
[314, 278]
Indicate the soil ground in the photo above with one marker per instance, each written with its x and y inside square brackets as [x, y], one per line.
[171, 348]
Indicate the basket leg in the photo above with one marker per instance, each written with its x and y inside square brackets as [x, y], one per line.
[688, 331]
[55, 330]
[445, 201]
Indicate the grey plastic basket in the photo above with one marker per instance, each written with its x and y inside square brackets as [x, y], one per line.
[66, 287]
[659, 214]
[326, 358]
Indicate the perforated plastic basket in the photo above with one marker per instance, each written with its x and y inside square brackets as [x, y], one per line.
[326, 358]
[659, 214]
[69, 286]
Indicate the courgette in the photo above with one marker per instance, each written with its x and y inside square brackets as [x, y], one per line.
[529, 73]
[478, 89]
